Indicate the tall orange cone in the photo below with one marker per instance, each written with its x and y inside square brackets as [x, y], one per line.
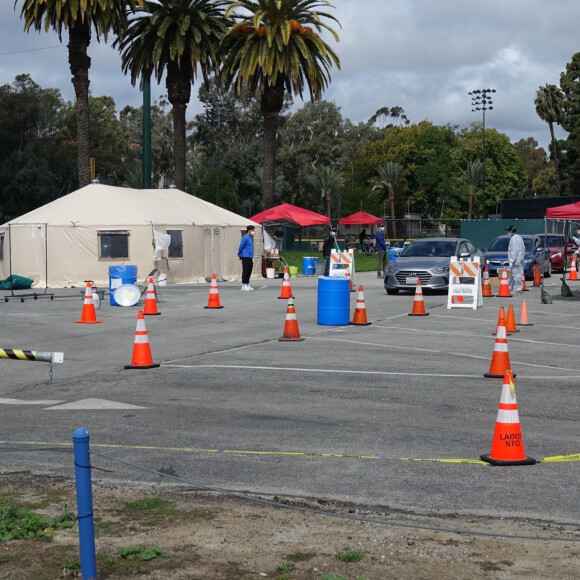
[486, 285]
[360, 312]
[286, 291]
[150, 300]
[213, 300]
[504, 287]
[524, 320]
[537, 276]
[351, 287]
[524, 287]
[291, 332]
[507, 446]
[510, 323]
[418, 303]
[500, 359]
[89, 315]
[573, 271]
[500, 319]
[142, 358]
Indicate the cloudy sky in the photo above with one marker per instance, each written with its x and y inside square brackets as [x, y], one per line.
[422, 55]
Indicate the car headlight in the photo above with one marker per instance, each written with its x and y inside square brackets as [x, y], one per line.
[443, 270]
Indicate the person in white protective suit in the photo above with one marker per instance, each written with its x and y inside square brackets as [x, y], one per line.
[516, 251]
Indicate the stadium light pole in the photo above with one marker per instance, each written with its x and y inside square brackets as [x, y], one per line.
[481, 100]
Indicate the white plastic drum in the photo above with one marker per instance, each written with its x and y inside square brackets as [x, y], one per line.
[127, 295]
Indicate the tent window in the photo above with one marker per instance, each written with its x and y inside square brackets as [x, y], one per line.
[176, 245]
[1, 247]
[113, 245]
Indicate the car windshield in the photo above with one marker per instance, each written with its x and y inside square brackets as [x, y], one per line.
[424, 248]
[553, 241]
[502, 244]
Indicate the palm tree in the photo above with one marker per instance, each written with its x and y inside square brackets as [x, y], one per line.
[390, 174]
[329, 179]
[81, 19]
[176, 36]
[549, 102]
[472, 173]
[273, 47]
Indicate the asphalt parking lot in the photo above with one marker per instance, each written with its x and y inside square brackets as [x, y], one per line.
[393, 414]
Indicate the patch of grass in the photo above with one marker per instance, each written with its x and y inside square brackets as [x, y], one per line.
[108, 528]
[300, 556]
[132, 560]
[488, 566]
[362, 262]
[151, 510]
[347, 555]
[71, 564]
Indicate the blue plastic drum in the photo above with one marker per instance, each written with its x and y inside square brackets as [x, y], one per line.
[333, 301]
[119, 276]
[309, 266]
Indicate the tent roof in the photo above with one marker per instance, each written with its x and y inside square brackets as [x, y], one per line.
[98, 204]
[570, 211]
[290, 215]
[362, 218]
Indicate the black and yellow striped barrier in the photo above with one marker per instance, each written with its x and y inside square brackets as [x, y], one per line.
[31, 355]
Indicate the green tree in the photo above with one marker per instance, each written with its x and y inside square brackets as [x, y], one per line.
[549, 102]
[328, 180]
[176, 37]
[534, 160]
[82, 20]
[390, 175]
[272, 47]
[473, 174]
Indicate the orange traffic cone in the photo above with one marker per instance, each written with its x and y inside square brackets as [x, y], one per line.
[360, 312]
[150, 300]
[418, 303]
[510, 323]
[142, 358]
[291, 332]
[504, 287]
[500, 359]
[88, 316]
[213, 300]
[524, 287]
[286, 291]
[524, 320]
[573, 272]
[507, 446]
[537, 276]
[486, 285]
[351, 288]
[500, 317]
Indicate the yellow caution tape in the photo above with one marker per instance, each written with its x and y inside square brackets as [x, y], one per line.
[556, 458]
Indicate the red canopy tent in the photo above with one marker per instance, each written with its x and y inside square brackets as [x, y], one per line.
[290, 215]
[361, 218]
[570, 211]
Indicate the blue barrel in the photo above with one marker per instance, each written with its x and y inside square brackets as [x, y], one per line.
[309, 266]
[333, 301]
[119, 275]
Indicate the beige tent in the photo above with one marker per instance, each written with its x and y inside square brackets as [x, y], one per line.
[80, 236]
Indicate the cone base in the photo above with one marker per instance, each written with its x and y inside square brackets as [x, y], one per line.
[88, 321]
[216, 307]
[525, 324]
[493, 461]
[152, 366]
[285, 297]
[360, 323]
[414, 314]
[151, 313]
[488, 295]
[291, 339]
[494, 376]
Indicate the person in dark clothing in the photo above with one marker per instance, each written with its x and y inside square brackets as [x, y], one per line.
[381, 247]
[327, 248]
[361, 238]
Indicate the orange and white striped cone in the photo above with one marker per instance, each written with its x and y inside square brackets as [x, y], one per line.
[524, 319]
[573, 271]
[486, 285]
[350, 287]
[213, 300]
[142, 358]
[286, 291]
[88, 315]
[360, 312]
[500, 317]
[507, 446]
[537, 276]
[150, 308]
[504, 287]
[418, 303]
[500, 359]
[291, 331]
[524, 287]
[510, 321]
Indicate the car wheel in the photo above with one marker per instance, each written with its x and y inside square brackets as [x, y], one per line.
[392, 291]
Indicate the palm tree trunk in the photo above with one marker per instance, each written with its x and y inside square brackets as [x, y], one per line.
[80, 62]
[555, 155]
[328, 205]
[470, 210]
[179, 145]
[271, 105]
[392, 200]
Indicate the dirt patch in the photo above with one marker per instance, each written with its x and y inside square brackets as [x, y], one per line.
[187, 534]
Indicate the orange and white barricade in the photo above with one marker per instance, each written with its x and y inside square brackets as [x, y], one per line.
[464, 284]
[342, 264]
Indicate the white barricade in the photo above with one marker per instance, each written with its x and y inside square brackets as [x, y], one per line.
[342, 264]
[464, 284]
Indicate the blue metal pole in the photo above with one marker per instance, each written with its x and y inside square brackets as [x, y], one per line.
[85, 504]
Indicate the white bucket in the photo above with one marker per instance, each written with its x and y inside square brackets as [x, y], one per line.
[162, 280]
[270, 273]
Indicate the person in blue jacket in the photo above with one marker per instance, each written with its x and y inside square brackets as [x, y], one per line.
[381, 248]
[246, 255]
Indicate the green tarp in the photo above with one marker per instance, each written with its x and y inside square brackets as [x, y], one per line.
[15, 283]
